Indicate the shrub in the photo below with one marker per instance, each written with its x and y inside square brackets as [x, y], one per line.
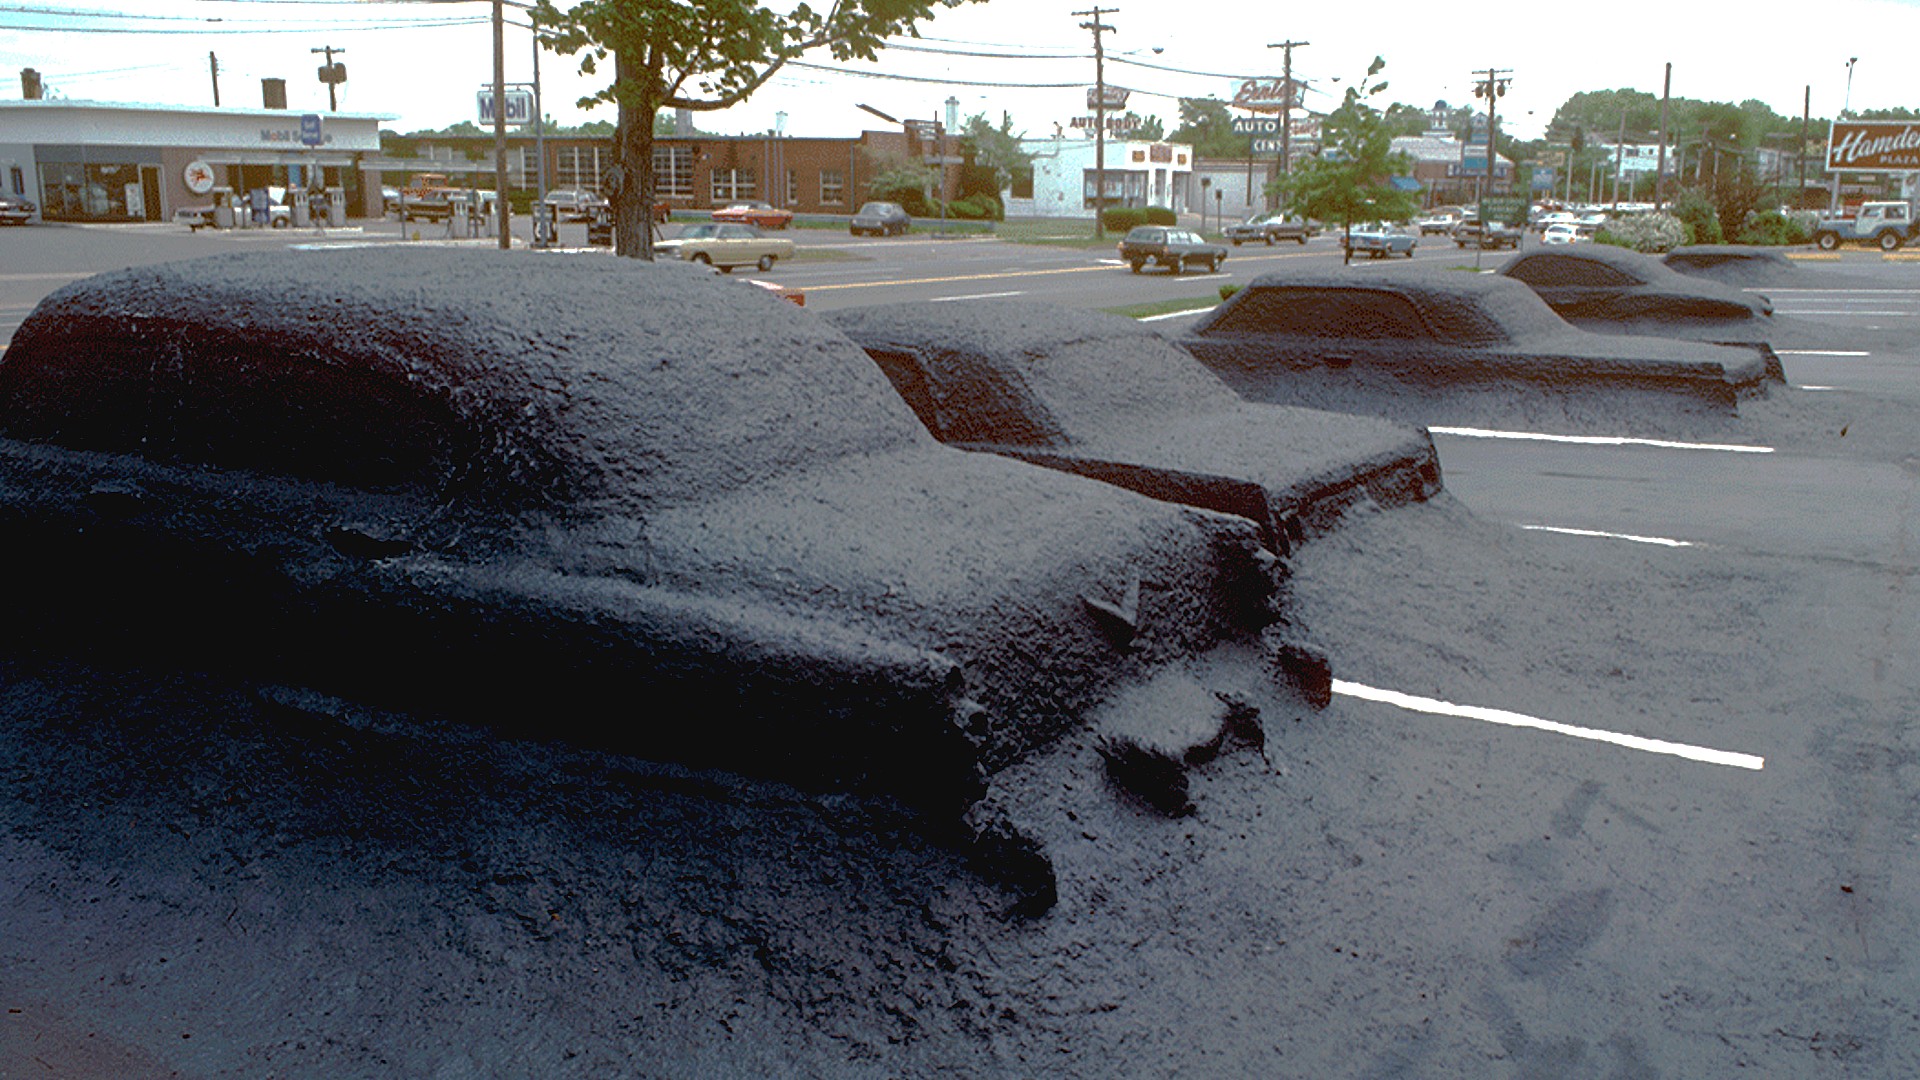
[1227, 291]
[1644, 232]
[976, 207]
[1773, 228]
[1700, 216]
[1123, 218]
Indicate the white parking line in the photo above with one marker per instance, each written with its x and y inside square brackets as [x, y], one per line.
[1823, 352]
[976, 296]
[1513, 719]
[1847, 311]
[1598, 440]
[1660, 540]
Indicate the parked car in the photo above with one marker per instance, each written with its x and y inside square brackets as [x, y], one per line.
[1266, 228]
[1435, 346]
[575, 203]
[1563, 232]
[1614, 290]
[1439, 221]
[1104, 396]
[880, 219]
[1175, 249]
[389, 199]
[1472, 232]
[758, 214]
[1377, 240]
[1740, 265]
[524, 490]
[16, 210]
[726, 246]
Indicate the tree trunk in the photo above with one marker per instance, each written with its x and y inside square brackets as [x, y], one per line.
[632, 200]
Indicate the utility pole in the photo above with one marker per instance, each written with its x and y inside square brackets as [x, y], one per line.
[1660, 170]
[213, 68]
[500, 125]
[1620, 158]
[1286, 102]
[1806, 117]
[1099, 116]
[330, 76]
[1493, 88]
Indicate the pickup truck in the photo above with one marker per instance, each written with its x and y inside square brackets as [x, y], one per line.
[1175, 249]
[1885, 224]
[1267, 228]
[1471, 232]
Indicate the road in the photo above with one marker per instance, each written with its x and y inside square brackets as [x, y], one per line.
[1621, 779]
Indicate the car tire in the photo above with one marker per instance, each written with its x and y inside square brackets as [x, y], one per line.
[765, 264]
[1409, 253]
[1176, 266]
[1138, 265]
[1213, 265]
[1827, 241]
[1269, 239]
[1889, 241]
[701, 258]
[1236, 241]
[1301, 239]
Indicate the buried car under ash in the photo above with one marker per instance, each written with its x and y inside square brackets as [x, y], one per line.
[1614, 290]
[631, 504]
[1432, 346]
[1103, 396]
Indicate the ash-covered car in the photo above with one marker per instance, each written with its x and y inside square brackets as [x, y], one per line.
[1105, 397]
[1612, 290]
[631, 504]
[1735, 264]
[1431, 346]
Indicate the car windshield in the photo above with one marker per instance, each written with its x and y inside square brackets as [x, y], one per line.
[696, 232]
[878, 208]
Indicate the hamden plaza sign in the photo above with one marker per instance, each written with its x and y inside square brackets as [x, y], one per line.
[1873, 146]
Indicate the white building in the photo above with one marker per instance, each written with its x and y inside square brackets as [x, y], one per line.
[1138, 174]
[104, 161]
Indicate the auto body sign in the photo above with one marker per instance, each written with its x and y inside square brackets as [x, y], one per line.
[1873, 146]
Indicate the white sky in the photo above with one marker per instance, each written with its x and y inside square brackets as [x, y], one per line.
[425, 76]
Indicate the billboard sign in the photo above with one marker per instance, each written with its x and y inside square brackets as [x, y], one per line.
[310, 130]
[1115, 97]
[1266, 95]
[1873, 146]
[519, 107]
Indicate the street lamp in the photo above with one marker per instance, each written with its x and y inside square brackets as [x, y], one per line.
[1846, 103]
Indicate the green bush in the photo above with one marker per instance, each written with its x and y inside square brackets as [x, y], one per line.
[1700, 216]
[1771, 227]
[976, 207]
[1227, 291]
[521, 199]
[1123, 218]
[1644, 232]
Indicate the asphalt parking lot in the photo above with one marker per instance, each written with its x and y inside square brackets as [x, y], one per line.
[1620, 779]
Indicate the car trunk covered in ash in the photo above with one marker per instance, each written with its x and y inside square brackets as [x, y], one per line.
[601, 500]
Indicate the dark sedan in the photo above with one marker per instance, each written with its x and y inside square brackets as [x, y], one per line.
[880, 219]
[1103, 396]
[1175, 249]
[16, 210]
[1435, 346]
[629, 503]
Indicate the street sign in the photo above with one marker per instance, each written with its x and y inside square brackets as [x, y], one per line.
[310, 130]
[519, 107]
[1509, 209]
[1256, 125]
[1266, 146]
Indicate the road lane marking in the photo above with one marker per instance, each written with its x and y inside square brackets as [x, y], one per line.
[70, 275]
[1847, 311]
[1513, 719]
[1660, 540]
[993, 276]
[976, 296]
[1810, 386]
[1203, 306]
[1823, 352]
[1598, 440]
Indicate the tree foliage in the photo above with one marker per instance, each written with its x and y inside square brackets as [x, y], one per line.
[699, 55]
[1351, 179]
[996, 148]
[1206, 125]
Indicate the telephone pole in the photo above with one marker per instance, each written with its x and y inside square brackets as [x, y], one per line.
[331, 76]
[1099, 115]
[1286, 102]
[500, 126]
[213, 68]
[1493, 88]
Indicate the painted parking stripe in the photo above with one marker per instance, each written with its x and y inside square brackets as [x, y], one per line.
[975, 296]
[1657, 540]
[1436, 707]
[1598, 440]
[1823, 352]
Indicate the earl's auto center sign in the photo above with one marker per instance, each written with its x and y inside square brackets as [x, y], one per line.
[1874, 146]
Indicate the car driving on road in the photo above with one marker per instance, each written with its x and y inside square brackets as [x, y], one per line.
[1175, 249]
[726, 246]
[880, 219]
[1267, 228]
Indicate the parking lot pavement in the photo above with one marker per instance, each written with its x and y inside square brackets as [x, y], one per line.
[231, 880]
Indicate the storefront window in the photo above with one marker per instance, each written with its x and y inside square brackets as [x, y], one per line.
[74, 192]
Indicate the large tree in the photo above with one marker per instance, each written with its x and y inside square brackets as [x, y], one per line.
[700, 55]
[1207, 126]
[1352, 178]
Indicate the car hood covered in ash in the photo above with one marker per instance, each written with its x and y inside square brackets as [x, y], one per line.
[558, 495]
[1106, 397]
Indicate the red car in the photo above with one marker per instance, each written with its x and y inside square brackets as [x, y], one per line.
[755, 213]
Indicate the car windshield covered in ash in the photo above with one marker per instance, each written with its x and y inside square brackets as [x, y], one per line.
[548, 495]
[1432, 346]
[1103, 396]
